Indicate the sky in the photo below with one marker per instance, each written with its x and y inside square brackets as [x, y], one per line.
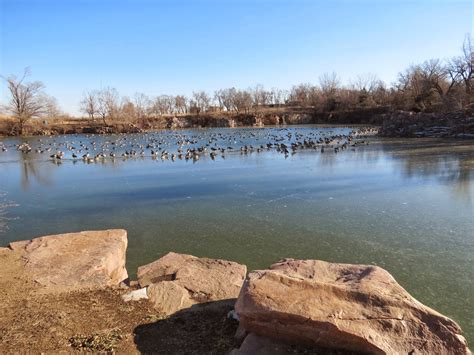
[177, 46]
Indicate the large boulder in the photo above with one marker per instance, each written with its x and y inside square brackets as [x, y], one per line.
[75, 260]
[341, 306]
[178, 281]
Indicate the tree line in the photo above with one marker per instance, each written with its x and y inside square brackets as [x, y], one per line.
[434, 85]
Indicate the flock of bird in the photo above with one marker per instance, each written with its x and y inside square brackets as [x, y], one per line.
[184, 145]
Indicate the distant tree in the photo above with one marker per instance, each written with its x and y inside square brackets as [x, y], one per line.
[460, 69]
[364, 88]
[367, 82]
[226, 99]
[219, 96]
[278, 96]
[329, 83]
[181, 104]
[300, 94]
[169, 104]
[201, 101]
[51, 107]
[242, 101]
[127, 110]
[260, 97]
[108, 104]
[421, 86]
[163, 105]
[89, 104]
[142, 105]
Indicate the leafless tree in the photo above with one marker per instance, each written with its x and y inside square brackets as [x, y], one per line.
[163, 105]
[260, 97]
[108, 104]
[127, 110]
[460, 69]
[226, 99]
[51, 108]
[329, 83]
[277, 96]
[422, 86]
[300, 94]
[89, 104]
[219, 96]
[201, 101]
[367, 82]
[142, 105]
[181, 104]
[27, 99]
[242, 101]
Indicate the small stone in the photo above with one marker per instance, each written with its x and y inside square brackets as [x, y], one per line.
[135, 295]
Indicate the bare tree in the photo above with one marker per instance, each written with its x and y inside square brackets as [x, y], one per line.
[300, 94]
[367, 82]
[329, 83]
[201, 101]
[460, 69]
[219, 97]
[169, 104]
[142, 105]
[89, 104]
[260, 97]
[180, 104]
[422, 86]
[242, 101]
[108, 104]
[26, 99]
[163, 105]
[127, 111]
[51, 108]
[226, 99]
[277, 96]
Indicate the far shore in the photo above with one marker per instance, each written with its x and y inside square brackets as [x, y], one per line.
[459, 124]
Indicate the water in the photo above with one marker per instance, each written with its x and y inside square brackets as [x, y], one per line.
[405, 205]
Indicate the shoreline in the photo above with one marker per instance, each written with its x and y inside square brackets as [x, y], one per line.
[458, 125]
[71, 292]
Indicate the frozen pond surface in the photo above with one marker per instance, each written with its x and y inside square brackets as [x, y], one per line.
[405, 205]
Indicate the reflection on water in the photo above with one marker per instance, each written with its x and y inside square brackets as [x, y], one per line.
[406, 205]
[4, 206]
[33, 170]
[451, 162]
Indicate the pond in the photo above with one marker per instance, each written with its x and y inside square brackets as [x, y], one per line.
[405, 205]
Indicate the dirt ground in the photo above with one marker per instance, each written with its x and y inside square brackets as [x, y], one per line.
[36, 320]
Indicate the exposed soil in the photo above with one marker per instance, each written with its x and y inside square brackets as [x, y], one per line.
[34, 319]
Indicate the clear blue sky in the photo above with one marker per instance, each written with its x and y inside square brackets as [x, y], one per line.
[177, 46]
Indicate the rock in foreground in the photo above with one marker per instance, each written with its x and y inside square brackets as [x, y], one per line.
[341, 306]
[178, 281]
[76, 260]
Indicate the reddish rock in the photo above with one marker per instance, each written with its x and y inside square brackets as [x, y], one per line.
[76, 260]
[178, 281]
[341, 306]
